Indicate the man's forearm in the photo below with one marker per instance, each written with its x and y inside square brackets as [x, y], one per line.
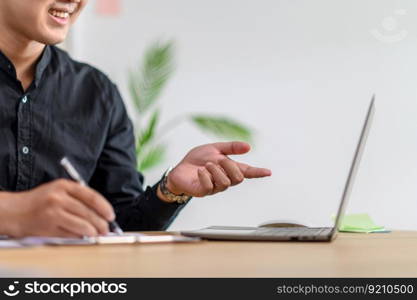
[147, 213]
[4, 214]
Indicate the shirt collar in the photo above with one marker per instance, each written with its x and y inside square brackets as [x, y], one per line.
[7, 66]
[42, 64]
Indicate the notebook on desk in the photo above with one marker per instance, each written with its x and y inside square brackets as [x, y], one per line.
[111, 239]
[324, 234]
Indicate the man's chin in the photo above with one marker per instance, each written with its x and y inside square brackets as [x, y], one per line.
[52, 39]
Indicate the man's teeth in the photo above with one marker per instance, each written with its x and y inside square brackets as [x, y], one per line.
[59, 14]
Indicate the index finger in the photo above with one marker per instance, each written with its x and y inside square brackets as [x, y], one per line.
[92, 199]
[253, 172]
[232, 148]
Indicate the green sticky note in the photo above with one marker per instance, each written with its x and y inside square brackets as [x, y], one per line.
[359, 223]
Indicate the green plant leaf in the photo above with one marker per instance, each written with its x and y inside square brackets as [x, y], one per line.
[152, 157]
[146, 135]
[134, 92]
[222, 127]
[148, 82]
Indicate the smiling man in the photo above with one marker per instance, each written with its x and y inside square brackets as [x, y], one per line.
[52, 106]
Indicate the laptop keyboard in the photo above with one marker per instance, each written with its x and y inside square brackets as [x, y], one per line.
[295, 232]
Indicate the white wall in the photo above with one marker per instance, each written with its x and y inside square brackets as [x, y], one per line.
[301, 73]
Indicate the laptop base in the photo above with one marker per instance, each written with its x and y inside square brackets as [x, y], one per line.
[305, 234]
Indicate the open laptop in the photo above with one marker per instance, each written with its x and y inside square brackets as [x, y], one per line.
[312, 234]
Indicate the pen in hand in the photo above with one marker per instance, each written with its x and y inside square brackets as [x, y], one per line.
[72, 172]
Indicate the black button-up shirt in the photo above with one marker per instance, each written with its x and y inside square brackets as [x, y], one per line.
[71, 109]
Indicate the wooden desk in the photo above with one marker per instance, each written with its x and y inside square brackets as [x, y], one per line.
[350, 255]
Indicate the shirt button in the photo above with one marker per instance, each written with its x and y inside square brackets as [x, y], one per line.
[25, 150]
[25, 99]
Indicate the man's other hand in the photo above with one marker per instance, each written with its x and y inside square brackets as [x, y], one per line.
[207, 170]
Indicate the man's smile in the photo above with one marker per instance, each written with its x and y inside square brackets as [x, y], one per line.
[62, 11]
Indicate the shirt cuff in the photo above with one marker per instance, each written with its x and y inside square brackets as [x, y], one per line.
[163, 210]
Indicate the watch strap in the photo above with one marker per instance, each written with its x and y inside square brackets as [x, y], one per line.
[180, 199]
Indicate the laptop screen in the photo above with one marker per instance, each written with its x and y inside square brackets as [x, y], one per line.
[355, 165]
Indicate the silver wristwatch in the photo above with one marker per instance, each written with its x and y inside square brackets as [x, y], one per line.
[180, 199]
